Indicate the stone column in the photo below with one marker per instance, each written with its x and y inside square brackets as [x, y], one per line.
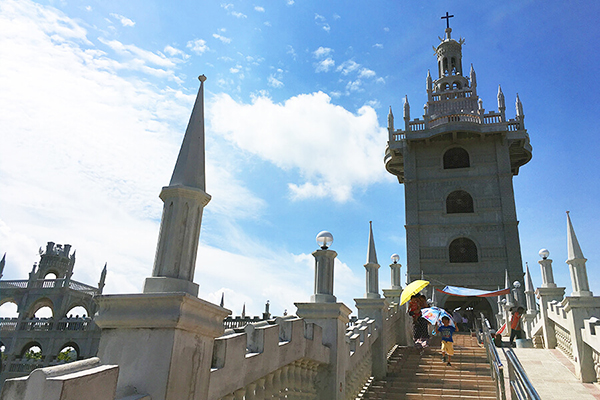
[546, 294]
[375, 309]
[324, 263]
[332, 318]
[162, 343]
[395, 292]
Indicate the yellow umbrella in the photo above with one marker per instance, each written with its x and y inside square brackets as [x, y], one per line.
[412, 288]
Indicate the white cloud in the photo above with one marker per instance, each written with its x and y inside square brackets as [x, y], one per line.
[267, 23]
[88, 8]
[335, 151]
[348, 66]
[366, 73]
[172, 51]
[354, 86]
[238, 14]
[336, 16]
[87, 151]
[326, 27]
[274, 82]
[322, 52]
[291, 51]
[198, 46]
[324, 65]
[378, 45]
[386, 29]
[222, 38]
[236, 69]
[259, 8]
[123, 20]
[227, 6]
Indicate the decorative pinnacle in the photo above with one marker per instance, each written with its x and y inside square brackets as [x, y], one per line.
[202, 78]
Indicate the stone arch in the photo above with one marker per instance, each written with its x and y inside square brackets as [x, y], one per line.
[471, 307]
[43, 302]
[76, 305]
[65, 348]
[456, 157]
[55, 273]
[29, 346]
[456, 85]
[459, 202]
[9, 308]
[463, 250]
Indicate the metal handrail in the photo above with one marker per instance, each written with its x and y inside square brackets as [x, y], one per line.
[496, 367]
[520, 385]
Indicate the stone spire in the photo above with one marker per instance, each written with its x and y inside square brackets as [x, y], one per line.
[372, 268]
[529, 292]
[189, 168]
[429, 82]
[184, 201]
[576, 261]
[2, 263]
[391, 120]
[102, 278]
[501, 102]
[473, 78]
[406, 109]
[371, 253]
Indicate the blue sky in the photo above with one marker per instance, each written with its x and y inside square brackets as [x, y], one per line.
[96, 96]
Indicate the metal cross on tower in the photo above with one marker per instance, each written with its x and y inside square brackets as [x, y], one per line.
[447, 18]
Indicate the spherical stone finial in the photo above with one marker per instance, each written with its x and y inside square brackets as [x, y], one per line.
[324, 239]
[202, 78]
[516, 284]
[395, 258]
[544, 253]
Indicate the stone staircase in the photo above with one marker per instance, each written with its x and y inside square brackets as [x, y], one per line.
[412, 375]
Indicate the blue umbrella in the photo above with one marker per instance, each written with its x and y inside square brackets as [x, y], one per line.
[435, 314]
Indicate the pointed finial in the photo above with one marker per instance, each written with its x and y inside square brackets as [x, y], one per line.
[2, 263]
[391, 119]
[244, 311]
[473, 77]
[528, 280]
[102, 278]
[406, 108]
[371, 254]
[222, 299]
[190, 166]
[501, 103]
[574, 250]
[519, 106]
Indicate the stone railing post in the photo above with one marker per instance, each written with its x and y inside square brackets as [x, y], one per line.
[547, 293]
[165, 353]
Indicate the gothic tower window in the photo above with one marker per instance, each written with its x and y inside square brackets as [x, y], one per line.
[456, 157]
[462, 250]
[459, 202]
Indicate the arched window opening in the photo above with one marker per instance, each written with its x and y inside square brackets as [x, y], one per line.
[32, 351]
[50, 275]
[9, 310]
[445, 66]
[69, 352]
[456, 85]
[456, 157]
[453, 65]
[459, 202]
[462, 250]
[446, 86]
[77, 312]
[44, 312]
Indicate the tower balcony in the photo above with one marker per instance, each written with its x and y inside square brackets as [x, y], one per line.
[456, 126]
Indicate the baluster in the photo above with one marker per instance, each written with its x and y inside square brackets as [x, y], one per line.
[276, 384]
[269, 386]
[284, 382]
[250, 391]
[239, 394]
[260, 389]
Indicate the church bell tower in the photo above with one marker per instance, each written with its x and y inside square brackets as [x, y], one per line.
[457, 164]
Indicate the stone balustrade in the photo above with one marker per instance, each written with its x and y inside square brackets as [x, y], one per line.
[266, 359]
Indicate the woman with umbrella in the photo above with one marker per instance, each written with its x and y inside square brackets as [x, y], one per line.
[420, 324]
